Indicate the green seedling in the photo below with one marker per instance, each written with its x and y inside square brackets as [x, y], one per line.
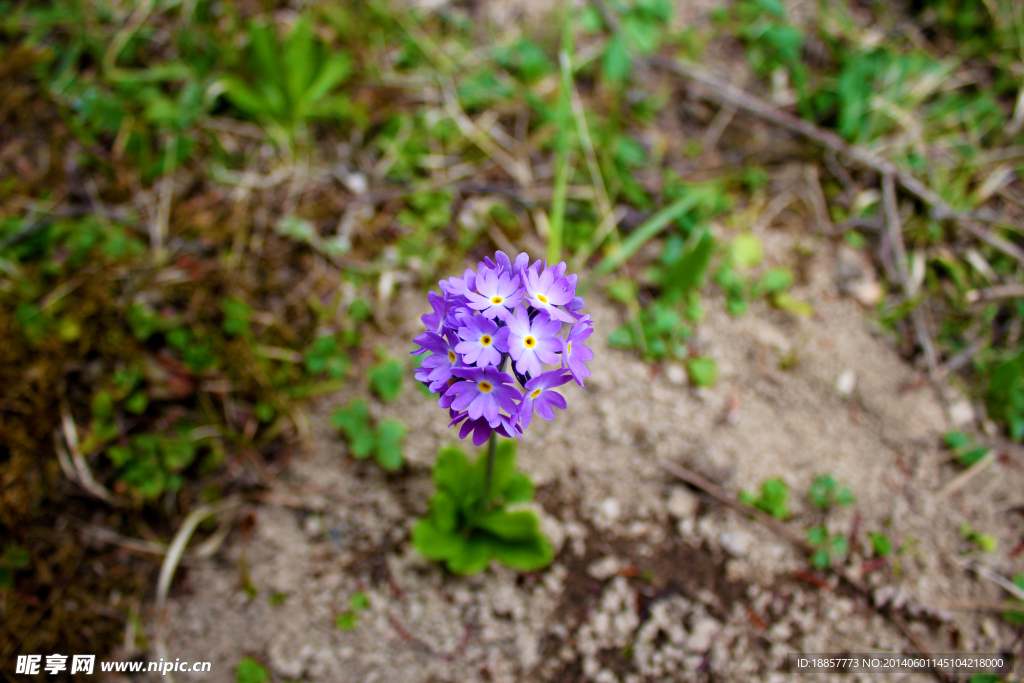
[984, 542]
[250, 671]
[348, 619]
[967, 452]
[386, 378]
[325, 356]
[383, 441]
[773, 500]
[826, 492]
[291, 82]
[881, 544]
[465, 531]
[703, 371]
[828, 547]
[1013, 616]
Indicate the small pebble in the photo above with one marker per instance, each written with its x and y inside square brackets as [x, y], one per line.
[846, 382]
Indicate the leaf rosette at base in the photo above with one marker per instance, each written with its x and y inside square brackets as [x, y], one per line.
[465, 532]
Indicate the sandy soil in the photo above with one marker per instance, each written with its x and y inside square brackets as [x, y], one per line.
[653, 581]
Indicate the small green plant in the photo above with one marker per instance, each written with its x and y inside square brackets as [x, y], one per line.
[826, 492]
[1013, 616]
[383, 441]
[290, 82]
[774, 498]
[966, 451]
[881, 544]
[469, 522]
[250, 671]
[985, 542]
[348, 619]
[326, 356]
[703, 371]
[828, 547]
[386, 378]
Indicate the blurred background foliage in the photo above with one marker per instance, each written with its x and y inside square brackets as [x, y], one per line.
[206, 207]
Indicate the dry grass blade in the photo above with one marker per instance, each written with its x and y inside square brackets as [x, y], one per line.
[988, 574]
[726, 93]
[83, 473]
[997, 292]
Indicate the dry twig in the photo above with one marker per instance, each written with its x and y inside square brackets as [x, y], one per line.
[729, 95]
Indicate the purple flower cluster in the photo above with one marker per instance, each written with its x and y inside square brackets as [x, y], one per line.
[508, 309]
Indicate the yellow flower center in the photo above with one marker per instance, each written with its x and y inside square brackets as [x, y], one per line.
[536, 393]
[530, 342]
[496, 300]
[451, 356]
[485, 340]
[541, 298]
[568, 349]
[485, 387]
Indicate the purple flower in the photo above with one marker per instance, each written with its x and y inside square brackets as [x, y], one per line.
[459, 286]
[546, 292]
[482, 429]
[485, 392]
[482, 341]
[531, 343]
[495, 294]
[575, 306]
[539, 396]
[432, 321]
[575, 352]
[507, 308]
[436, 369]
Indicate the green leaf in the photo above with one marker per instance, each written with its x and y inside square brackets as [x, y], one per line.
[347, 620]
[518, 490]
[1012, 616]
[643, 35]
[973, 455]
[386, 379]
[617, 62]
[703, 371]
[776, 280]
[264, 54]
[390, 436]
[444, 511]
[359, 602]
[177, 454]
[472, 558]
[648, 230]
[237, 315]
[354, 422]
[435, 544]
[525, 556]
[956, 439]
[784, 301]
[520, 525]
[299, 59]
[881, 544]
[745, 251]
[250, 671]
[817, 535]
[245, 98]
[333, 73]
[452, 473]
[688, 271]
[821, 559]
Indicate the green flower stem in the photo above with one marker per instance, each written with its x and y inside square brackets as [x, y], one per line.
[492, 449]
